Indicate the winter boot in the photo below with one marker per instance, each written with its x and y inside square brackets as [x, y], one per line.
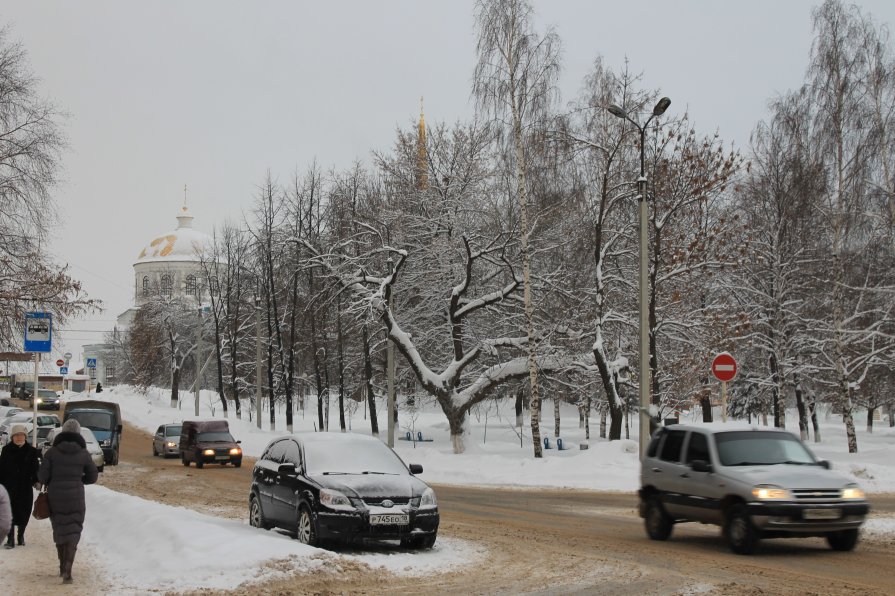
[69, 554]
[21, 536]
[60, 552]
[9, 537]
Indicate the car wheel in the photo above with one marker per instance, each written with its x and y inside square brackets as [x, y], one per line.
[199, 463]
[184, 461]
[307, 528]
[154, 452]
[843, 540]
[237, 464]
[658, 524]
[114, 461]
[739, 531]
[256, 515]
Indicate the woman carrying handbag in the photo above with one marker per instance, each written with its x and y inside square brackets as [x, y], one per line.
[66, 468]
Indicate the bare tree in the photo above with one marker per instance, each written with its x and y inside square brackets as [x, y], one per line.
[515, 76]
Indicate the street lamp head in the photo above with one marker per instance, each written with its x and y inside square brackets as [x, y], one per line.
[661, 106]
[617, 111]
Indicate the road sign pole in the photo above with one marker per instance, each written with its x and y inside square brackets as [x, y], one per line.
[34, 398]
[723, 401]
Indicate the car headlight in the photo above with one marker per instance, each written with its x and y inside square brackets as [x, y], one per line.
[427, 501]
[853, 492]
[769, 492]
[333, 499]
[171, 444]
[236, 451]
[208, 452]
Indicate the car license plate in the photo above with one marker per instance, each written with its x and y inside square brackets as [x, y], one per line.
[822, 514]
[222, 457]
[389, 519]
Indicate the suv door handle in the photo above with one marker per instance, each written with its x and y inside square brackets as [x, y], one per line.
[685, 475]
[657, 470]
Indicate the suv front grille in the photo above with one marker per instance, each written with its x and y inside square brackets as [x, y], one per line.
[811, 495]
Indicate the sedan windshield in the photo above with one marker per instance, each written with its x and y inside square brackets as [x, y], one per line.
[759, 448]
[332, 457]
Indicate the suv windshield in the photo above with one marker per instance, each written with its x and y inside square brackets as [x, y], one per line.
[758, 448]
[215, 437]
[332, 457]
[172, 431]
[94, 420]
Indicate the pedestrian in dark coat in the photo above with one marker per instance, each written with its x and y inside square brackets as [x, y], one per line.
[66, 468]
[18, 474]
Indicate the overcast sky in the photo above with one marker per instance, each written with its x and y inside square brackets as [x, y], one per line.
[212, 94]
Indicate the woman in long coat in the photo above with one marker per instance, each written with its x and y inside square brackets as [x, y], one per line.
[66, 468]
[18, 473]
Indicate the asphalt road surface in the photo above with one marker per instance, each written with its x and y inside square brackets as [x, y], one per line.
[543, 542]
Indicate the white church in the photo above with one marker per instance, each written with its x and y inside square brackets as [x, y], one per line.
[169, 265]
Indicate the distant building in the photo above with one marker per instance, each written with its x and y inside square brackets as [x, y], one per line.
[169, 265]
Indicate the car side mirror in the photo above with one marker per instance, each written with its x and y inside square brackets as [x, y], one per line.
[238, 442]
[416, 468]
[286, 470]
[119, 428]
[700, 465]
[825, 464]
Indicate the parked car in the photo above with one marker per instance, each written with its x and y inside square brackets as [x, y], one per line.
[7, 411]
[208, 441]
[341, 486]
[166, 441]
[42, 433]
[93, 448]
[23, 417]
[753, 482]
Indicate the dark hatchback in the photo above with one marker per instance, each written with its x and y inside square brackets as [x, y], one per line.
[341, 486]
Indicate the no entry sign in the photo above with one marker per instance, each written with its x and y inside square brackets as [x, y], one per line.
[724, 367]
[60, 362]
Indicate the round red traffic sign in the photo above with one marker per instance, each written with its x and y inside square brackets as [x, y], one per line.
[724, 367]
[60, 362]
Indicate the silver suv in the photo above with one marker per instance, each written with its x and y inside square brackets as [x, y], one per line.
[753, 482]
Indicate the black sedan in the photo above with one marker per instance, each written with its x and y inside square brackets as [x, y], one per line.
[341, 486]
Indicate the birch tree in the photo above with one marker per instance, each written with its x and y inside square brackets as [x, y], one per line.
[515, 80]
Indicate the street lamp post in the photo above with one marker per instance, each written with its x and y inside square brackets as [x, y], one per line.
[619, 112]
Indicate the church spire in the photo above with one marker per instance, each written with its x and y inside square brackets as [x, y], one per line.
[422, 159]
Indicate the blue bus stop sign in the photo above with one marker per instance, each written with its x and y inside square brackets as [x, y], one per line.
[38, 332]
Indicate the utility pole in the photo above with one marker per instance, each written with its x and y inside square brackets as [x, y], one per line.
[390, 364]
[34, 400]
[258, 361]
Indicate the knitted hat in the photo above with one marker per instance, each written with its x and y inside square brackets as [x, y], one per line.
[18, 428]
[71, 426]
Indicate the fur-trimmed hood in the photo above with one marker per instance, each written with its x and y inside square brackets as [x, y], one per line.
[63, 437]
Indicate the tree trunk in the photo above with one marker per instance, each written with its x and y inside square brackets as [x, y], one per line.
[803, 414]
[341, 365]
[519, 395]
[870, 411]
[368, 376]
[814, 419]
[175, 385]
[457, 423]
[603, 422]
[891, 415]
[778, 392]
[582, 418]
[556, 401]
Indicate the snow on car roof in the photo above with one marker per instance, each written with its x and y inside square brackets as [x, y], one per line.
[716, 427]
